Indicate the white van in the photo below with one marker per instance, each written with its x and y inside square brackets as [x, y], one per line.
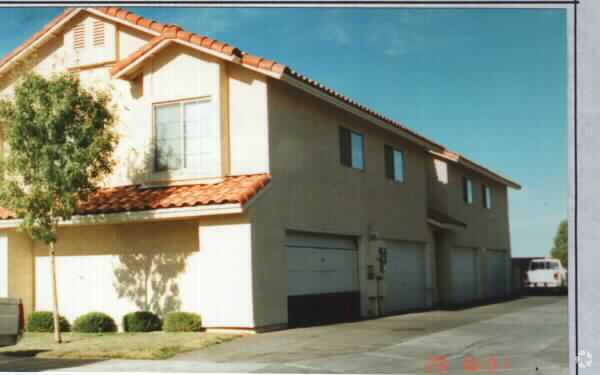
[546, 273]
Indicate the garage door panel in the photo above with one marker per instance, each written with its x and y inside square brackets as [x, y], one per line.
[496, 265]
[405, 278]
[323, 279]
[464, 265]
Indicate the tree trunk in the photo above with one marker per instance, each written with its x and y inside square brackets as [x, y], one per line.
[57, 335]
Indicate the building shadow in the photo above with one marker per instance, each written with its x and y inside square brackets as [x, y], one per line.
[149, 280]
[21, 364]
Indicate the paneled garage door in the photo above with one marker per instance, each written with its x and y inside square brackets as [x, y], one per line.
[323, 279]
[405, 277]
[464, 273]
[496, 272]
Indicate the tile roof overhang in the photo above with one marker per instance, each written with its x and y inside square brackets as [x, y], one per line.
[168, 33]
[232, 192]
[467, 163]
[442, 221]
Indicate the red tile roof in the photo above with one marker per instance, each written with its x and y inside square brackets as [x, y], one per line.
[233, 189]
[36, 36]
[169, 31]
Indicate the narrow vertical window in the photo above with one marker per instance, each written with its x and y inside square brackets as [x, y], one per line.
[345, 151]
[467, 190]
[79, 36]
[394, 164]
[358, 157]
[98, 33]
[487, 196]
[351, 149]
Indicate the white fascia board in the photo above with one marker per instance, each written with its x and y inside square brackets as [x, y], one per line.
[482, 171]
[445, 226]
[132, 67]
[256, 196]
[263, 71]
[146, 215]
[49, 34]
[162, 45]
[349, 108]
[122, 21]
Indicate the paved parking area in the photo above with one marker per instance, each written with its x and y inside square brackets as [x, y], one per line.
[523, 336]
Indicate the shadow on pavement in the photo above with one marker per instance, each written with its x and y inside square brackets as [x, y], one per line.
[24, 361]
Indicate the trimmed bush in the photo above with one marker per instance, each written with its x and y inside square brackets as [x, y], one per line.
[43, 321]
[141, 321]
[94, 322]
[182, 322]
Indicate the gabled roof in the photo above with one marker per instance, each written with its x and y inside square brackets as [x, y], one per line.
[468, 163]
[168, 33]
[130, 198]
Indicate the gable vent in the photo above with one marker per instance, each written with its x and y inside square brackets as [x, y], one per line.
[79, 36]
[98, 33]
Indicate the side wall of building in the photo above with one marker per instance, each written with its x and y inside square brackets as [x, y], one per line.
[313, 192]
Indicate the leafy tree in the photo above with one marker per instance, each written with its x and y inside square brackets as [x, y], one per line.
[60, 143]
[560, 249]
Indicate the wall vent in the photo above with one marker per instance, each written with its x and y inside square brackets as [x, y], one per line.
[98, 33]
[79, 36]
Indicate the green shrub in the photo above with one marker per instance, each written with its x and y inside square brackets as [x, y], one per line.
[43, 321]
[94, 322]
[182, 322]
[141, 321]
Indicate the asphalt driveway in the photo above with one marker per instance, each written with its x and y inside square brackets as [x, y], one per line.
[524, 336]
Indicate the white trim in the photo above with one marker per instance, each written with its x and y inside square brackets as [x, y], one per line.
[145, 215]
[121, 21]
[141, 59]
[269, 73]
[256, 196]
[457, 159]
[445, 226]
[360, 113]
[49, 34]
[164, 43]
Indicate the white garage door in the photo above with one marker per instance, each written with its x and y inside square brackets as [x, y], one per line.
[405, 277]
[3, 266]
[464, 275]
[321, 264]
[323, 284]
[496, 272]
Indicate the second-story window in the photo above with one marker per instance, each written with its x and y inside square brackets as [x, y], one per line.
[487, 196]
[186, 137]
[394, 164]
[351, 149]
[467, 190]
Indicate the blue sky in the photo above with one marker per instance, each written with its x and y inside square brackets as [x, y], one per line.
[490, 84]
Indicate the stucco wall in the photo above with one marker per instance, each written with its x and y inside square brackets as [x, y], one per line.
[486, 228]
[19, 270]
[198, 266]
[311, 191]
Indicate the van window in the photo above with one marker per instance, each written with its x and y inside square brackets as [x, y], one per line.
[537, 266]
[552, 265]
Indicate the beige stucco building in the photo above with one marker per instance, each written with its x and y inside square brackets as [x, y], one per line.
[251, 194]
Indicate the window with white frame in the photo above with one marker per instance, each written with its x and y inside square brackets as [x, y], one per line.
[394, 163]
[187, 138]
[487, 196]
[467, 190]
[351, 149]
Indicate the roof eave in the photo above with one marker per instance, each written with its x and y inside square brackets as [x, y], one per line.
[143, 215]
[459, 159]
[293, 81]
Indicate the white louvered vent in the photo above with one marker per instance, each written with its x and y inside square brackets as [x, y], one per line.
[79, 36]
[98, 33]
